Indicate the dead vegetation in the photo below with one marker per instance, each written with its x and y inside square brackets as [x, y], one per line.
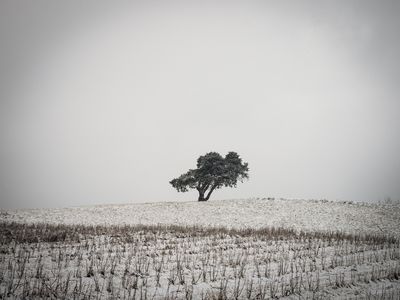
[192, 262]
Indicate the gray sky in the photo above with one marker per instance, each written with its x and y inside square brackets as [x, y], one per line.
[106, 101]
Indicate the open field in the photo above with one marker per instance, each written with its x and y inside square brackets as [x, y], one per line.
[116, 259]
[253, 213]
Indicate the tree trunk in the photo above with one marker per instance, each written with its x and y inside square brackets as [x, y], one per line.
[201, 196]
[210, 192]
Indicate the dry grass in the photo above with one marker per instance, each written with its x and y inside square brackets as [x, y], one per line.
[192, 262]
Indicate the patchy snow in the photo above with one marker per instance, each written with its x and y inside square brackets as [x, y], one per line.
[309, 215]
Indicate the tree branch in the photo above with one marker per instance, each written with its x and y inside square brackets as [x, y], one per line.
[210, 191]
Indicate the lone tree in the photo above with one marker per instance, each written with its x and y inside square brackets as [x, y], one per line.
[213, 172]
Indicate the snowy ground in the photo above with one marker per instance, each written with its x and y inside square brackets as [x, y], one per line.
[181, 262]
[306, 215]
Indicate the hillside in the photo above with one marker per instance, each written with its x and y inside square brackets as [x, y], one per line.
[231, 249]
[308, 215]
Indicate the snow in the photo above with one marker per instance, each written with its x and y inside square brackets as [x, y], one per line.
[308, 215]
[338, 270]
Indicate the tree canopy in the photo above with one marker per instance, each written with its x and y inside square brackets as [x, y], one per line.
[213, 172]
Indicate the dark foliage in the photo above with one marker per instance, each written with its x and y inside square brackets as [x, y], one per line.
[213, 172]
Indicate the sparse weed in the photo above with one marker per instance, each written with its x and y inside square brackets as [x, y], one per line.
[190, 262]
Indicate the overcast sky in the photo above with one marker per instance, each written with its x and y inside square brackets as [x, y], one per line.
[107, 101]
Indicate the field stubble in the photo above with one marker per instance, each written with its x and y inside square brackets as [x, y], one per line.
[194, 262]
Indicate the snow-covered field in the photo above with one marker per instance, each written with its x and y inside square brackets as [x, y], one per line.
[59, 253]
[254, 213]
